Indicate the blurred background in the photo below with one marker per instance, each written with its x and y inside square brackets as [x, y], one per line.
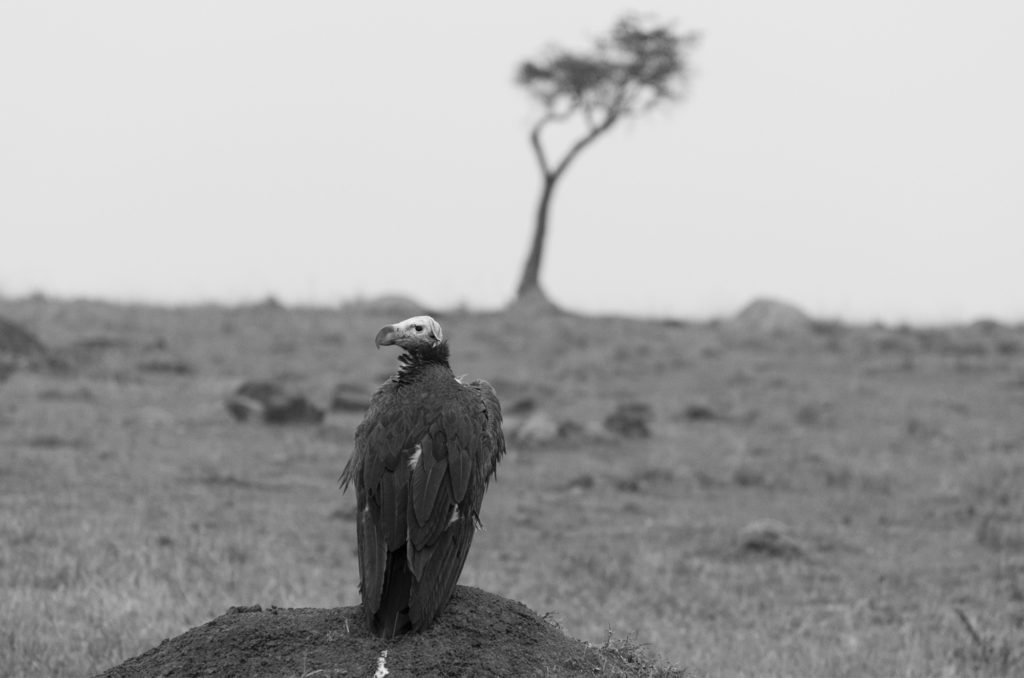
[769, 424]
[862, 161]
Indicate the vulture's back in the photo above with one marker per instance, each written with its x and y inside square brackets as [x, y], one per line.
[423, 458]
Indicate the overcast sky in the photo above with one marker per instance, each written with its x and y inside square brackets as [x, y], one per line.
[862, 160]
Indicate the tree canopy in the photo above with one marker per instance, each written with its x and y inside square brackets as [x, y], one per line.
[633, 69]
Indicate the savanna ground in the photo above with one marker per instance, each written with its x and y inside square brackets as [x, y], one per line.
[132, 507]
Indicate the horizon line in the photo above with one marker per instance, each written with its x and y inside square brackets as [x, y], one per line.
[271, 300]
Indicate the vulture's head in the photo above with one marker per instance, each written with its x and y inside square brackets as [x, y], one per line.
[416, 333]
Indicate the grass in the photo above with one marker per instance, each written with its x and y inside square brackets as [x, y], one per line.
[132, 507]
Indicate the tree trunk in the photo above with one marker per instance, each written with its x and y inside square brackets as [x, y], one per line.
[529, 286]
[530, 282]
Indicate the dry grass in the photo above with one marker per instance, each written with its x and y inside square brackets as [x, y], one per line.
[132, 508]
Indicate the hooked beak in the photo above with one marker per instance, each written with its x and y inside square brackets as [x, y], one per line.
[386, 336]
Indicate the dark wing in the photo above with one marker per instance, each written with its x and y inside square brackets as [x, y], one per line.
[379, 470]
[447, 491]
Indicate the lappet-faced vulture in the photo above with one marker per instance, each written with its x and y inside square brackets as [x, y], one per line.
[424, 454]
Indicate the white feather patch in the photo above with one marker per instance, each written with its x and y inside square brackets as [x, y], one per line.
[455, 514]
[414, 458]
[382, 665]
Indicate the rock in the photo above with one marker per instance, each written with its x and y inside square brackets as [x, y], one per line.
[768, 537]
[523, 405]
[567, 428]
[587, 432]
[770, 318]
[580, 483]
[645, 480]
[273, 404]
[539, 428]
[350, 398]
[595, 432]
[699, 412]
[479, 634]
[748, 474]
[630, 420]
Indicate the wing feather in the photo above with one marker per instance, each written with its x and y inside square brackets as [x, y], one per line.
[426, 497]
[493, 442]
[460, 469]
[372, 559]
[424, 536]
[394, 504]
[440, 573]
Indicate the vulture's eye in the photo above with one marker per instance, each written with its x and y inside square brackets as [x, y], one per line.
[418, 328]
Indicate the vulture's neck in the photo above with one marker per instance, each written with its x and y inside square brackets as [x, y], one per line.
[417, 360]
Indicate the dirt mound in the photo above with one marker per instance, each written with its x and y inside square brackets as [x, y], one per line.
[534, 304]
[480, 634]
[768, 317]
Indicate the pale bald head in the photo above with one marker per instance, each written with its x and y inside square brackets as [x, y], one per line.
[420, 331]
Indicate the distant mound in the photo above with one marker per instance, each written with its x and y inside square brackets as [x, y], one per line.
[534, 304]
[770, 318]
[480, 634]
[17, 342]
[19, 348]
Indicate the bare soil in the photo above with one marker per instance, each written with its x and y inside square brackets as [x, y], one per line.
[480, 634]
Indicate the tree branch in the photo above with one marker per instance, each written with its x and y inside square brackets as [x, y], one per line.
[538, 147]
[595, 132]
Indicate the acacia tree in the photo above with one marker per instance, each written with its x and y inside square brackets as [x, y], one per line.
[637, 67]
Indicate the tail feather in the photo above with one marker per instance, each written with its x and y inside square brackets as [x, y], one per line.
[392, 616]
